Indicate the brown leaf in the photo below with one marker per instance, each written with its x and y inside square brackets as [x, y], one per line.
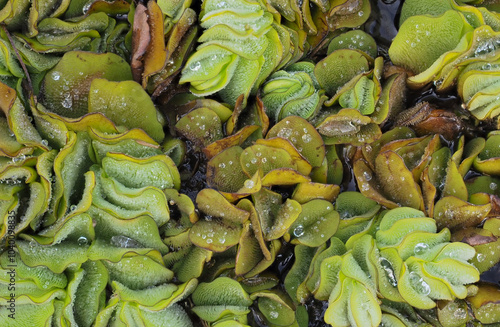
[495, 205]
[478, 239]
[156, 54]
[141, 38]
[425, 120]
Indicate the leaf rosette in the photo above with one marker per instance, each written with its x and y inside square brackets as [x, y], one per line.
[293, 92]
[404, 259]
[96, 212]
[467, 60]
[241, 46]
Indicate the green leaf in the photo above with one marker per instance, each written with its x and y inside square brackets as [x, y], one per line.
[421, 40]
[316, 219]
[126, 104]
[221, 297]
[339, 67]
[67, 86]
[298, 272]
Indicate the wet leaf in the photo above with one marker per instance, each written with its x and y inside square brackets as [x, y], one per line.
[485, 304]
[298, 272]
[487, 161]
[66, 88]
[202, 126]
[349, 126]
[355, 211]
[214, 204]
[355, 39]
[339, 67]
[221, 297]
[303, 136]
[305, 192]
[316, 219]
[237, 139]
[224, 171]
[126, 104]
[454, 213]
[275, 307]
[417, 56]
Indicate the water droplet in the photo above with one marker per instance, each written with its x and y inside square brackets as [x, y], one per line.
[420, 248]
[460, 313]
[68, 101]
[389, 272]
[298, 231]
[306, 138]
[249, 183]
[367, 176]
[419, 284]
[196, 66]
[480, 257]
[124, 242]
[493, 186]
[273, 315]
[82, 240]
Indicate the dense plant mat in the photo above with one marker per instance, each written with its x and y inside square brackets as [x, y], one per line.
[249, 163]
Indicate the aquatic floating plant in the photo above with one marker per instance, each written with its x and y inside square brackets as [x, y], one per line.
[248, 163]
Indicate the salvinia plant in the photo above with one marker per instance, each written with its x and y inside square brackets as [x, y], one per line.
[249, 163]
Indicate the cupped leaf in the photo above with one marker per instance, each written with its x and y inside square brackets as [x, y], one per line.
[265, 159]
[316, 219]
[339, 67]
[348, 126]
[321, 280]
[416, 48]
[224, 171]
[125, 270]
[223, 296]
[355, 39]
[275, 307]
[214, 204]
[216, 234]
[236, 139]
[126, 104]
[67, 86]
[293, 91]
[303, 136]
[485, 304]
[55, 257]
[352, 304]
[298, 272]
[454, 213]
[305, 192]
[158, 171]
[356, 212]
[201, 126]
[487, 161]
